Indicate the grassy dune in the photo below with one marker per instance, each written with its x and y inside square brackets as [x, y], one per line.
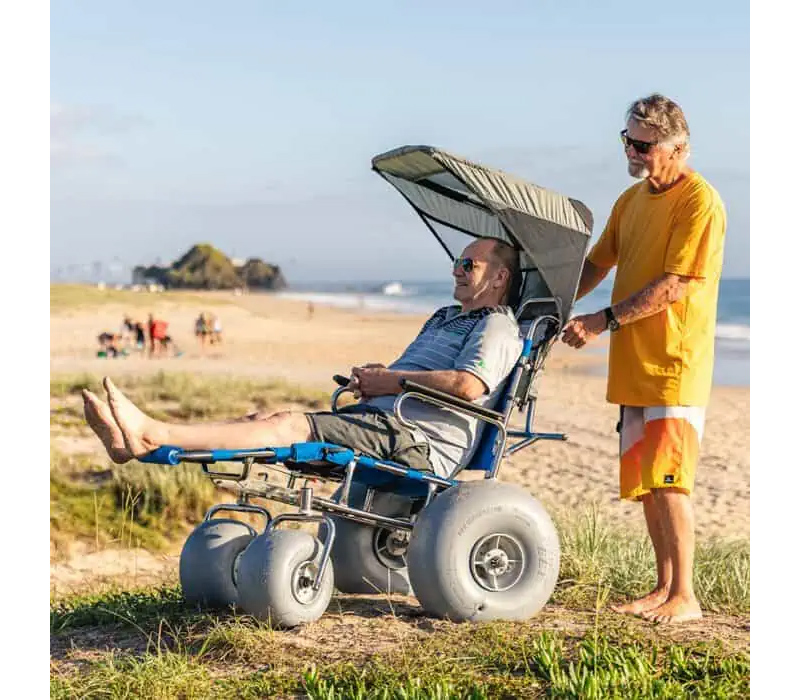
[75, 296]
[111, 642]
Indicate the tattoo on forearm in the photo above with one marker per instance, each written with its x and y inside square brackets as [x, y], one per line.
[652, 299]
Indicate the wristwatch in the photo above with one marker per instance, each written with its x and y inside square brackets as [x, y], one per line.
[611, 321]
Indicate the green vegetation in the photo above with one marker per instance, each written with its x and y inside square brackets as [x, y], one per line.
[178, 651]
[71, 296]
[125, 506]
[193, 397]
[598, 559]
[205, 267]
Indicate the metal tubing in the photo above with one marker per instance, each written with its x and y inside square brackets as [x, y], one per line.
[368, 496]
[305, 518]
[306, 497]
[238, 508]
[348, 482]
[335, 397]
[265, 456]
[326, 550]
[223, 476]
[291, 498]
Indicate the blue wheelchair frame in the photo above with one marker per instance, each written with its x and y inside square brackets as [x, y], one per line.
[312, 460]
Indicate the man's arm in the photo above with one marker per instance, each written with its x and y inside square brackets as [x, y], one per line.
[378, 381]
[648, 301]
[653, 298]
[591, 276]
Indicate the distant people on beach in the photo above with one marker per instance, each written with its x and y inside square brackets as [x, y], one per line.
[201, 330]
[216, 330]
[128, 331]
[133, 334]
[150, 337]
[310, 310]
[157, 331]
[208, 330]
[110, 344]
[138, 329]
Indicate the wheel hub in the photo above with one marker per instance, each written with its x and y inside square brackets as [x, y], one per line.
[390, 547]
[497, 562]
[303, 583]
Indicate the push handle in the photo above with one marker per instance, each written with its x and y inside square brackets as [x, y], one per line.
[341, 380]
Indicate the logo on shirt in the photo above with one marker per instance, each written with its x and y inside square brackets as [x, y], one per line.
[669, 479]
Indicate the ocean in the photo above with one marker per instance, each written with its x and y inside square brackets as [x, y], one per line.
[732, 352]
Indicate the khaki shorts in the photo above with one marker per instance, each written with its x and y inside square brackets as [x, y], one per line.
[659, 448]
[373, 433]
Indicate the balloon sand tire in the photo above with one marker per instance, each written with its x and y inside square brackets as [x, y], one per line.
[275, 575]
[484, 550]
[367, 558]
[208, 561]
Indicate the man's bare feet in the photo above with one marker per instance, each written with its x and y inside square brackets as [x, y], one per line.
[675, 611]
[101, 421]
[136, 427]
[640, 605]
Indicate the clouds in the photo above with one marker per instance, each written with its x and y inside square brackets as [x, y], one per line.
[88, 134]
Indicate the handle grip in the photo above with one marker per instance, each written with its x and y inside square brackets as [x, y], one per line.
[341, 380]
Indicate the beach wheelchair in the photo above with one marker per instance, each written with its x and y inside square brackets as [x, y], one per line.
[468, 550]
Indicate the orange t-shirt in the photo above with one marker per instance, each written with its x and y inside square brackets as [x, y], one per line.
[666, 359]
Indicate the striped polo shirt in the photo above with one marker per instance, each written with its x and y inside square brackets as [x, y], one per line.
[484, 342]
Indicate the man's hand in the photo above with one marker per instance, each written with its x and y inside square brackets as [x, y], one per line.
[581, 329]
[374, 380]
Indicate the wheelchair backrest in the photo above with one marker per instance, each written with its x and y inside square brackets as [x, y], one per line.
[541, 317]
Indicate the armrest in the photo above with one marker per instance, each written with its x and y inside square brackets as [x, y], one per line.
[450, 400]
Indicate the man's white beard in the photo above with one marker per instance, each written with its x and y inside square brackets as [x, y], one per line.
[638, 170]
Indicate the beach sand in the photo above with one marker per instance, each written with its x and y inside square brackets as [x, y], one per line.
[265, 336]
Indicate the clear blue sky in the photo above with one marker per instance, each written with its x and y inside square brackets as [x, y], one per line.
[251, 125]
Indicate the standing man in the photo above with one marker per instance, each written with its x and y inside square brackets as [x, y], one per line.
[665, 236]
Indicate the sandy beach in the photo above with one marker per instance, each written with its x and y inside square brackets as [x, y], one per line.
[269, 337]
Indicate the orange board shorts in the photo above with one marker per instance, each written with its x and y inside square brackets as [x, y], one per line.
[658, 448]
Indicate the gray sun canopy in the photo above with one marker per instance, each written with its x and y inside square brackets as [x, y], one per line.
[550, 230]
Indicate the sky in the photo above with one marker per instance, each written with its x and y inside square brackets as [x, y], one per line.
[251, 125]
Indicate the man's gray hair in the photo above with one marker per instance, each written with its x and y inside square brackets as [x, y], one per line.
[662, 115]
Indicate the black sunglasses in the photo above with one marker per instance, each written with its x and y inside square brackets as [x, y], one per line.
[466, 264]
[642, 147]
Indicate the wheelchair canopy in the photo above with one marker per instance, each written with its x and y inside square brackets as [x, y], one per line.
[551, 231]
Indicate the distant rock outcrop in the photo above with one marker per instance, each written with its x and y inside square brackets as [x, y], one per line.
[205, 267]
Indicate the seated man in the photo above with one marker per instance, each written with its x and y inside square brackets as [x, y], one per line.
[465, 350]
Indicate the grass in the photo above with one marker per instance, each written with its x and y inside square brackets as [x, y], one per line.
[191, 397]
[72, 296]
[176, 651]
[126, 506]
[598, 559]
[165, 647]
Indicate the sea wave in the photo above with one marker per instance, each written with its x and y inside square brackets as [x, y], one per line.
[733, 331]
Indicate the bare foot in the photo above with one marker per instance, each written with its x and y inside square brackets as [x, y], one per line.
[101, 421]
[136, 427]
[649, 602]
[675, 611]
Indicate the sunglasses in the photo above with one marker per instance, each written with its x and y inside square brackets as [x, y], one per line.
[466, 264]
[642, 147]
